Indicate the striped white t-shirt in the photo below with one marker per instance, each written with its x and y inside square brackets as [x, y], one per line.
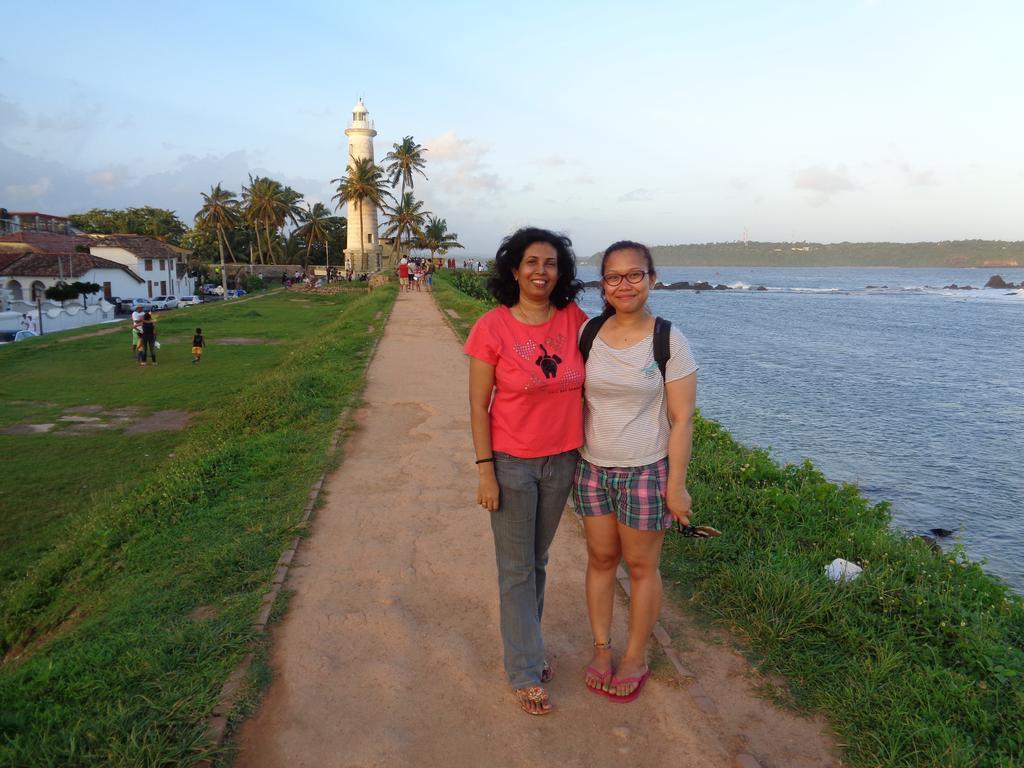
[625, 423]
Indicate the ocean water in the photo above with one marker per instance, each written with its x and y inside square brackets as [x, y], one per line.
[911, 391]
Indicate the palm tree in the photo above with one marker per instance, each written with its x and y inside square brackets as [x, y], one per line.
[406, 215]
[219, 211]
[316, 228]
[364, 183]
[270, 204]
[436, 237]
[402, 161]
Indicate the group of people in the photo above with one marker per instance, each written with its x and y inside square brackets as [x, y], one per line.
[145, 345]
[601, 408]
[334, 274]
[415, 274]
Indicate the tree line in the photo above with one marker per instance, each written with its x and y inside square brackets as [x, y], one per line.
[268, 222]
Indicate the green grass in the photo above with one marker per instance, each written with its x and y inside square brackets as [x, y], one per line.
[918, 663]
[106, 666]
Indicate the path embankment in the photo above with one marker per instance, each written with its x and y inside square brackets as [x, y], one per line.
[389, 654]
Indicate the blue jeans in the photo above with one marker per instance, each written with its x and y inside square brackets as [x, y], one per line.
[533, 494]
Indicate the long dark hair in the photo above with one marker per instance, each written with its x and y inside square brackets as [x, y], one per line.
[623, 245]
[504, 287]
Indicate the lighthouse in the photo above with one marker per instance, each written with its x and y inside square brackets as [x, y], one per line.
[363, 249]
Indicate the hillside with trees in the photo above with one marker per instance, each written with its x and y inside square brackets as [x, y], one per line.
[947, 253]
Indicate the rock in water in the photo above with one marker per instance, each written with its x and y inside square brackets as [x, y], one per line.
[941, 532]
[996, 281]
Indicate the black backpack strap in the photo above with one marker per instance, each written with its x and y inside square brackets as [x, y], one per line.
[590, 329]
[662, 351]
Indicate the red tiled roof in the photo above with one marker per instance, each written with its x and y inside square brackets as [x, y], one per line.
[140, 245]
[71, 265]
[48, 242]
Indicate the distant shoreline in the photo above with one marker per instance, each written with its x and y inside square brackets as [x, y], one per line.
[981, 254]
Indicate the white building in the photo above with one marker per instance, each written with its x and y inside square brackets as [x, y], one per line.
[25, 277]
[162, 267]
[363, 250]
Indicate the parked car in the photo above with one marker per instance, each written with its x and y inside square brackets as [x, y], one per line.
[165, 302]
[22, 335]
[188, 301]
[129, 305]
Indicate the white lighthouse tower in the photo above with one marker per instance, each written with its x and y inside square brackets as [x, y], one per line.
[363, 250]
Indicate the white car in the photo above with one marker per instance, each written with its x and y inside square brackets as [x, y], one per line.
[165, 302]
[189, 301]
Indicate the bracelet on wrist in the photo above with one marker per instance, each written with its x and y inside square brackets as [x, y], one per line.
[484, 461]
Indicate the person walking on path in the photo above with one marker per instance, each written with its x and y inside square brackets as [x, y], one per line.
[403, 274]
[631, 480]
[526, 437]
[147, 339]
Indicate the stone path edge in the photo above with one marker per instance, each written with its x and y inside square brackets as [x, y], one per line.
[230, 692]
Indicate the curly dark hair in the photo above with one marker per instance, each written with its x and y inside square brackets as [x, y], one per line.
[505, 288]
[623, 245]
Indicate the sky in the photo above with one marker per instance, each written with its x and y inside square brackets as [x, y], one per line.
[678, 122]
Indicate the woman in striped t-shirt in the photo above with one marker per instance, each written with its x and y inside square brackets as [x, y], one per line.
[631, 480]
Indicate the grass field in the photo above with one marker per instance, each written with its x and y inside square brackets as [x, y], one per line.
[918, 663]
[111, 539]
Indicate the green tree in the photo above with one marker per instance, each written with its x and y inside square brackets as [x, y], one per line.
[403, 161]
[436, 237]
[159, 223]
[220, 212]
[363, 184]
[316, 226]
[269, 204]
[405, 216]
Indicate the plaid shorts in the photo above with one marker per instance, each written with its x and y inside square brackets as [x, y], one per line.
[634, 494]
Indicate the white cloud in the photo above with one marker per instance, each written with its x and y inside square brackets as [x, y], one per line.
[639, 195]
[823, 182]
[28, 192]
[924, 177]
[459, 166]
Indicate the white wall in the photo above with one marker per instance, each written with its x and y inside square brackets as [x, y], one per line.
[153, 277]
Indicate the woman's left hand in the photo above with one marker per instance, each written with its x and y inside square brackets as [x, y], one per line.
[679, 505]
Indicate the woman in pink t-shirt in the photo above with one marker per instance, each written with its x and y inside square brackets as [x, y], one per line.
[525, 380]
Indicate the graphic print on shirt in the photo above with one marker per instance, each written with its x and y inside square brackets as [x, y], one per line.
[548, 363]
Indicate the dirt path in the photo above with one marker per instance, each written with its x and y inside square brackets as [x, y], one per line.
[390, 654]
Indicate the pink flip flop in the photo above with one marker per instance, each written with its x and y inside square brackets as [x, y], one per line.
[629, 696]
[602, 677]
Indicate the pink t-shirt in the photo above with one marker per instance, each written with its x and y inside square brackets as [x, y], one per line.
[538, 374]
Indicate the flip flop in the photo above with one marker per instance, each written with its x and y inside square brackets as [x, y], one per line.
[535, 694]
[697, 531]
[629, 696]
[602, 677]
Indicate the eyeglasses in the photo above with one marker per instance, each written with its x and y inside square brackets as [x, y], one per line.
[613, 278]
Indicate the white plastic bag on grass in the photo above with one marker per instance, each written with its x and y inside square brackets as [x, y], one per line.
[843, 570]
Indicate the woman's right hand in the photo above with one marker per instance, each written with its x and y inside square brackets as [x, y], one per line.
[487, 494]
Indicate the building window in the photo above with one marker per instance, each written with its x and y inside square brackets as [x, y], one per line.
[163, 266]
[37, 291]
[369, 238]
[149, 265]
[15, 290]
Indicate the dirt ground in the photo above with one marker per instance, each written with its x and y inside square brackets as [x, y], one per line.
[389, 654]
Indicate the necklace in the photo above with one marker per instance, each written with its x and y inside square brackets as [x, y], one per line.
[519, 314]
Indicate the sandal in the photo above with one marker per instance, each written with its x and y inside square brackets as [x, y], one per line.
[601, 677]
[535, 694]
[634, 693]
